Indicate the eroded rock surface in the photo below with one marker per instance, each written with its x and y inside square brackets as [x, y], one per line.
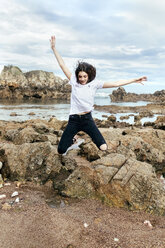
[14, 84]
[126, 175]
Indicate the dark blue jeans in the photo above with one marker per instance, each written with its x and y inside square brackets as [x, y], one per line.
[78, 123]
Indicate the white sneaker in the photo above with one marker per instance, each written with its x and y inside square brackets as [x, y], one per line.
[75, 146]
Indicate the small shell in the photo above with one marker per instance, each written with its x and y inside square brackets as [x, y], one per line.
[14, 194]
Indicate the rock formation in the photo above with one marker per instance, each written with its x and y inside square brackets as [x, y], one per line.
[148, 110]
[120, 95]
[126, 175]
[14, 84]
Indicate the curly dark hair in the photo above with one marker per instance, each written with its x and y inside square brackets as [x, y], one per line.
[88, 68]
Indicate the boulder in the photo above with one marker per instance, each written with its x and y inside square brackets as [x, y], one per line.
[122, 184]
[160, 123]
[118, 95]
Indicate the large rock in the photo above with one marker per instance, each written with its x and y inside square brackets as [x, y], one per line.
[131, 184]
[14, 84]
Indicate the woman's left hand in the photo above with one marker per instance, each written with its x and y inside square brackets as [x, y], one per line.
[140, 80]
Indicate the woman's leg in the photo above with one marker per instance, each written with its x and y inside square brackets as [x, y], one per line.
[67, 137]
[92, 130]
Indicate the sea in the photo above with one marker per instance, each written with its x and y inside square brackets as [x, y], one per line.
[37, 109]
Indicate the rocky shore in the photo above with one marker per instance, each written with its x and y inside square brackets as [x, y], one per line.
[87, 198]
[14, 84]
[130, 174]
[120, 95]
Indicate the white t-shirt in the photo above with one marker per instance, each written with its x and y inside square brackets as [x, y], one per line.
[82, 96]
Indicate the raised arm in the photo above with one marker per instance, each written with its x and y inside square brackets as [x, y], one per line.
[124, 82]
[59, 58]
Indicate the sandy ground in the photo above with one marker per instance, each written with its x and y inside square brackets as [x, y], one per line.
[42, 219]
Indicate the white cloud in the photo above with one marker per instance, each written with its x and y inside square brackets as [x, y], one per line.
[121, 38]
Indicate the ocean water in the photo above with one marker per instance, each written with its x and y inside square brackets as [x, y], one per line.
[60, 109]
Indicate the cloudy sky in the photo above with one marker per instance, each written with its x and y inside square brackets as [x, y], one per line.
[123, 38]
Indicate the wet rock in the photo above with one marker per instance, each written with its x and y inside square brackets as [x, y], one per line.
[137, 118]
[13, 114]
[146, 114]
[31, 113]
[111, 122]
[105, 116]
[118, 95]
[138, 124]
[111, 118]
[124, 117]
[148, 124]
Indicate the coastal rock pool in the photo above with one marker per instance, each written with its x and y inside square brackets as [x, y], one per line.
[22, 111]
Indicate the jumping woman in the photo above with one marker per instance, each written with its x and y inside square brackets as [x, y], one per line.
[84, 87]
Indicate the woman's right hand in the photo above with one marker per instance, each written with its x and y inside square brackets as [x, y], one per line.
[59, 58]
[52, 42]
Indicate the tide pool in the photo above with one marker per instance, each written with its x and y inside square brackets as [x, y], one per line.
[60, 110]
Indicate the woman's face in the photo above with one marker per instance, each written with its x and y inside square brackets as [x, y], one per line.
[82, 77]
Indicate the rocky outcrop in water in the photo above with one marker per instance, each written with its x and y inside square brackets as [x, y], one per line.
[148, 110]
[14, 84]
[120, 95]
[126, 175]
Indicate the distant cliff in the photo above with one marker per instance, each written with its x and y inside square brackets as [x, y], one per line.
[14, 84]
[120, 95]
